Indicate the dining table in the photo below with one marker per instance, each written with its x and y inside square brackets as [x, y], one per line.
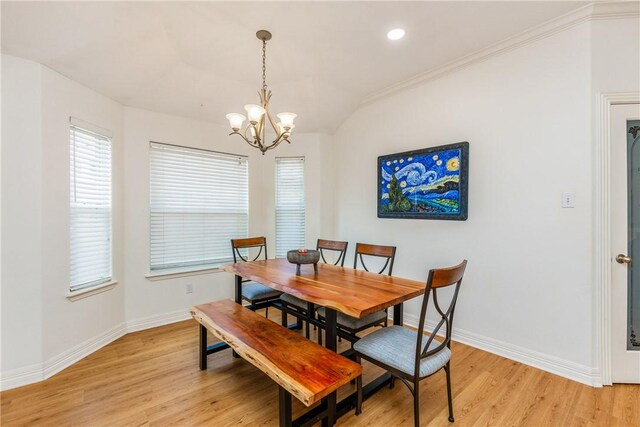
[353, 292]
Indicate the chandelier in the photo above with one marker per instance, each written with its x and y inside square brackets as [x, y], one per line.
[254, 131]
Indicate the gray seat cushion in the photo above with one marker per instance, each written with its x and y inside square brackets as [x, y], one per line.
[395, 346]
[255, 291]
[355, 324]
[295, 301]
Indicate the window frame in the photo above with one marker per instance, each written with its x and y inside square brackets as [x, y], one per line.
[107, 282]
[178, 269]
[304, 200]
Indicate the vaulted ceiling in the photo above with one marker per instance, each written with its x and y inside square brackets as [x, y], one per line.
[202, 59]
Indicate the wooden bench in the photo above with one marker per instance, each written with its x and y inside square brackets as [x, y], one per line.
[299, 366]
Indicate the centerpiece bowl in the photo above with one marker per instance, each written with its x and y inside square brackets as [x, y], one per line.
[304, 256]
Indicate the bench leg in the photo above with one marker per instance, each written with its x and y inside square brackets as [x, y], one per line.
[203, 348]
[330, 419]
[284, 400]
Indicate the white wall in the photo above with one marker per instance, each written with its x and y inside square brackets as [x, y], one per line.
[615, 55]
[155, 301]
[22, 278]
[69, 323]
[41, 327]
[526, 115]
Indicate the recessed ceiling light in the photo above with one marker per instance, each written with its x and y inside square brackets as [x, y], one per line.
[396, 34]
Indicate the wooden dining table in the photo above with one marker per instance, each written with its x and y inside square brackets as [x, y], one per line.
[356, 293]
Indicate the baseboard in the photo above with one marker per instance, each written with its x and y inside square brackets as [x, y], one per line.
[555, 365]
[67, 358]
[40, 372]
[21, 376]
[157, 320]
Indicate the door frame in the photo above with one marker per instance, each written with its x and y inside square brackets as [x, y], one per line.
[602, 228]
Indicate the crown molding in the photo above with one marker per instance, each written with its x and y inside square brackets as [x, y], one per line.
[593, 11]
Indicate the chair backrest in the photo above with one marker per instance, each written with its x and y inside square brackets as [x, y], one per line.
[365, 249]
[334, 246]
[438, 278]
[249, 242]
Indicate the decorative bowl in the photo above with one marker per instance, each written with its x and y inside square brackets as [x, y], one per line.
[309, 257]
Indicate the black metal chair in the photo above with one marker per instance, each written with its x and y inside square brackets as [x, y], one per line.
[349, 326]
[302, 310]
[255, 294]
[401, 351]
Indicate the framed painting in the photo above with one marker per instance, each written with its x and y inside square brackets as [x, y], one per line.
[431, 183]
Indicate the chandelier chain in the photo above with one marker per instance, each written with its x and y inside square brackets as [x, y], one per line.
[264, 64]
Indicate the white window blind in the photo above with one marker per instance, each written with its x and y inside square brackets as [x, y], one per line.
[290, 212]
[90, 208]
[199, 202]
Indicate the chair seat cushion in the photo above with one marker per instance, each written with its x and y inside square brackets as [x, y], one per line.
[395, 346]
[354, 323]
[295, 301]
[255, 292]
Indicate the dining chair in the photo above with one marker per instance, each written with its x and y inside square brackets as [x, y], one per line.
[300, 308]
[254, 293]
[350, 326]
[405, 354]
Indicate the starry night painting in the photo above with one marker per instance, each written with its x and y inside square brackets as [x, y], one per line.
[425, 184]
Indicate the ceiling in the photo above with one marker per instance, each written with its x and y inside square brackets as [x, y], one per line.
[202, 59]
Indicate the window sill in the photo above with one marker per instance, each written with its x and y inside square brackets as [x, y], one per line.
[93, 290]
[172, 274]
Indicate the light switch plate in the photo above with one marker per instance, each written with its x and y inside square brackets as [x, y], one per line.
[568, 200]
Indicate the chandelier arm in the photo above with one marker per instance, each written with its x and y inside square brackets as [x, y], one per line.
[273, 124]
[247, 140]
[256, 140]
[265, 97]
[277, 142]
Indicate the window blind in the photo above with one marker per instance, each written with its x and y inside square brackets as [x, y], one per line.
[199, 202]
[90, 208]
[290, 210]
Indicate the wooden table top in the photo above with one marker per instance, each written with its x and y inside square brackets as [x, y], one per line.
[305, 369]
[356, 293]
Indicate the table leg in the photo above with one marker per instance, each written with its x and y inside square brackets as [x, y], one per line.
[238, 301]
[238, 290]
[397, 315]
[331, 329]
[203, 348]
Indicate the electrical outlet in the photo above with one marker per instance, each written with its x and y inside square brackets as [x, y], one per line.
[189, 288]
[568, 200]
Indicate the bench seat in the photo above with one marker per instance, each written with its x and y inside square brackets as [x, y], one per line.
[305, 369]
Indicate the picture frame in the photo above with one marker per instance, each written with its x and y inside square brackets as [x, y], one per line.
[430, 183]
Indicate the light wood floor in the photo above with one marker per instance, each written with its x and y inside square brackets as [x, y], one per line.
[152, 378]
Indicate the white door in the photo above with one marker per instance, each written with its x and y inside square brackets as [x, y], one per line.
[625, 243]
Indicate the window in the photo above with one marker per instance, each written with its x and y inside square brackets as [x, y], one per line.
[90, 208]
[290, 215]
[199, 202]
